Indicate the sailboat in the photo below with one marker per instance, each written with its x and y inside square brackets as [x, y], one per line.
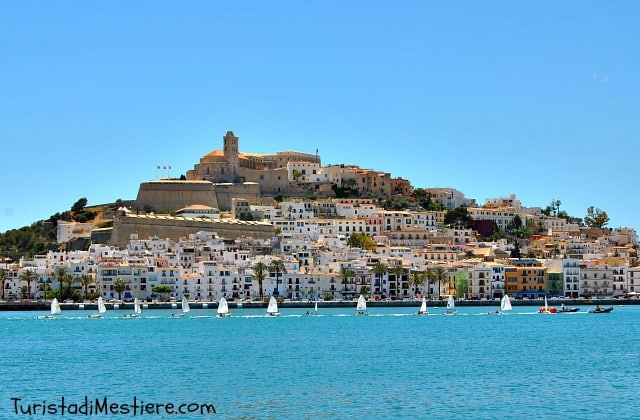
[136, 309]
[423, 307]
[101, 309]
[546, 309]
[451, 306]
[55, 310]
[272, 309]
[315, 310]
[361, 308]
[505, 304]
[223, 308]
[185, 308]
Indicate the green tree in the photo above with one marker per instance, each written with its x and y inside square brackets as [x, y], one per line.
[68, 281]
[462, 284]
[277, 266]
[379, 269]
[59, 274]
[346, 273]
[28, 276]
[430, 278]
[4, 276]
[162, 290]
[439, 274]
[119, 286]
[417, 279]
[260, 271]
[43, 287]
[596, 218]
[398, 271]
[86, 280]
[361, 240]
[458, 216]
[79, 205]
[515, 252]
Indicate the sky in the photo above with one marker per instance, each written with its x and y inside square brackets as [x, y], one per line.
[534, 98]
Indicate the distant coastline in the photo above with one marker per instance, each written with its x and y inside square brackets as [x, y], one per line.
[44, 306]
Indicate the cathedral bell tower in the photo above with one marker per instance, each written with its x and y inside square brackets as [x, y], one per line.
[231, 152]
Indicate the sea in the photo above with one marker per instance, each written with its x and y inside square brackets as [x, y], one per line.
[388, 364]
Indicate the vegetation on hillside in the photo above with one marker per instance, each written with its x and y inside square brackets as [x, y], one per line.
[40, 237]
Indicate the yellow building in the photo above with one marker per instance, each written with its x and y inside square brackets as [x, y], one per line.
[526, 278]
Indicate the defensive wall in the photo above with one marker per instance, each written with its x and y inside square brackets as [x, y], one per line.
[175, 228]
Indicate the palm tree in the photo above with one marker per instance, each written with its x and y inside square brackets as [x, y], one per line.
[439, 274]
[43, 286]
[4, 276]
[430, 275]
[398, 271]
[86, 280]
[259, 274]
[68, 281]
[28, 275]
[345, 274]
[277, 266]
[417, 278]
[59, 275]
[119, 286]
[379, 269]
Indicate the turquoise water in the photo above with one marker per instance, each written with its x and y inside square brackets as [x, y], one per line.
[389, 364]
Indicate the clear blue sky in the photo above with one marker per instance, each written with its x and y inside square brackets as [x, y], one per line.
[535, 98]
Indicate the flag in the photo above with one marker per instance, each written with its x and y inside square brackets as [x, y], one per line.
[158, 166]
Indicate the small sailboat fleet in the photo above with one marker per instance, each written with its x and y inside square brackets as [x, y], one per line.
[451, 306]
[361, 307]
[185, 308]
[423, 307]
[55, 310]
[223, 308]
[101, 309]
[272, 309]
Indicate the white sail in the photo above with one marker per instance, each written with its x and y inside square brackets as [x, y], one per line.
[423, 306]
[223, 307]
[55, 307]
[101, 308]
[505, 303]
[362, 304]
[451, 303]
[136, 306]
[272, 309]
[546, 307]
[185, 305]
[316, 308]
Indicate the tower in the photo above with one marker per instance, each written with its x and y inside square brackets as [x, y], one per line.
[231, 151]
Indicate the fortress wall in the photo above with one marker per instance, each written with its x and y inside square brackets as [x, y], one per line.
[178, 227]
[165, 195]
[226, 192]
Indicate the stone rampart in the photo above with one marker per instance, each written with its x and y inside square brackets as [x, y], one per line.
[165, 195]
[179, 227]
